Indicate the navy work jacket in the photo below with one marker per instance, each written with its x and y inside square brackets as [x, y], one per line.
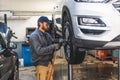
[41, 47]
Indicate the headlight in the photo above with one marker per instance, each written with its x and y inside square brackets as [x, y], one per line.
[90, 21]
[93, 1]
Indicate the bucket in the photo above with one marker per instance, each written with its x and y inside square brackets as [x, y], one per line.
[21, 62]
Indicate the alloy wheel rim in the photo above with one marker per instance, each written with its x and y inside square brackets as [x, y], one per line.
[67, 38]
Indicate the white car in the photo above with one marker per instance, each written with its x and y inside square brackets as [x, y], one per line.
[87, 24]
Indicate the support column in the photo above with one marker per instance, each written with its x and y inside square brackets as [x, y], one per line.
[70, 72]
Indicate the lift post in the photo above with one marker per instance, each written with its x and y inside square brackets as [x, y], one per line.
[70, 72]
[70, 68]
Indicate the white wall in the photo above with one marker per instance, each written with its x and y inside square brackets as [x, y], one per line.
[19, 27]
[27, 5]
[19, 8]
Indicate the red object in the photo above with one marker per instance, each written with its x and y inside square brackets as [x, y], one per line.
[102, 54]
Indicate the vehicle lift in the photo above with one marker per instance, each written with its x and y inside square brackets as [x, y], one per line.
[70, 69]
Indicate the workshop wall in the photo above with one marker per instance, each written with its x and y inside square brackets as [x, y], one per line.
[19, 27]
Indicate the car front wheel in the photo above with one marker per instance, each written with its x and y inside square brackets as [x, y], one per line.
[72, 53]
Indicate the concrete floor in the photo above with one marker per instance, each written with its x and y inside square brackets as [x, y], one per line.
[90, 69]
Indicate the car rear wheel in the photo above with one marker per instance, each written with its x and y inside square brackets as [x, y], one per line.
[72, 53]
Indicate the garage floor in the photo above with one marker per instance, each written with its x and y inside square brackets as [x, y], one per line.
[90, 69]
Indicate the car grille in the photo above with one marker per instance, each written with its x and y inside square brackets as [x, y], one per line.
[117, 5]
[94, 32]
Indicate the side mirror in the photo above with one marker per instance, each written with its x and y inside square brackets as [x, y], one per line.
[12, 45]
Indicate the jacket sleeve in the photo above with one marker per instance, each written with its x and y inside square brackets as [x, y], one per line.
[35, 44]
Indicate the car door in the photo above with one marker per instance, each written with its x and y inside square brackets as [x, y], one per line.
[2, 59]
[1, 63]
[5, 60]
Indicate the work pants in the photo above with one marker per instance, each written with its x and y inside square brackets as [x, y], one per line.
[44, 72]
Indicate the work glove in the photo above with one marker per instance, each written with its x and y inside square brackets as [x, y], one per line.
[58, 43]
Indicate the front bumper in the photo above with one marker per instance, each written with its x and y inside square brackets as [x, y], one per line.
[105, 12]
[88, 44]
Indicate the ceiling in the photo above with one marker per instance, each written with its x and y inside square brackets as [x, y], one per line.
[23, 9]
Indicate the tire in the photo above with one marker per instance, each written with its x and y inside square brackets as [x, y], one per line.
[72, 53]
[15, 73]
